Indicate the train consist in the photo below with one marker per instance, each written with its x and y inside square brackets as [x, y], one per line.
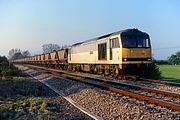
[119, 53]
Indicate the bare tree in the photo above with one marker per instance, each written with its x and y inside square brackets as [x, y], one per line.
[13, 51]
[17, 56]
[64, 46]
[26, 53]
[17, 53]
[47, 48]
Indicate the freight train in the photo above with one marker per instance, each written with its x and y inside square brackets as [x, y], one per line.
[126, 52]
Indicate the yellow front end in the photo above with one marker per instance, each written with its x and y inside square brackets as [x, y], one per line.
[136, 56]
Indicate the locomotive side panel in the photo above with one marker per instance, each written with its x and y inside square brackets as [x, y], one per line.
[95, 52]
[83, 53]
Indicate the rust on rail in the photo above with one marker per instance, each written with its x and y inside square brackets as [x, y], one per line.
[145, 98]
[161, 82]
[167, 93]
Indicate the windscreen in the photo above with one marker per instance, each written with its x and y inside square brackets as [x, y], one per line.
[133, 41]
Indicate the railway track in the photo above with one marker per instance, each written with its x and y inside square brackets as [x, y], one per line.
[160, 82]
[155, 84]
[114, 86]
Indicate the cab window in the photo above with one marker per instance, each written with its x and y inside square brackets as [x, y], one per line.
[115, 43]
[134, 41]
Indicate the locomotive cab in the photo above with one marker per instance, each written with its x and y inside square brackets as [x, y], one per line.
[136, 52]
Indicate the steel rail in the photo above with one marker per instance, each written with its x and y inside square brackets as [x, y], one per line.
[163, 92]
[160, 82]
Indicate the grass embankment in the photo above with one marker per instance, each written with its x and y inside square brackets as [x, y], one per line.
[170, 72]
[22, 98]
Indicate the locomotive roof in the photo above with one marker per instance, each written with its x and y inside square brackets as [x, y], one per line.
[126, 31]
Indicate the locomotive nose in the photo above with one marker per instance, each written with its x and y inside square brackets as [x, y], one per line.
[137, 53]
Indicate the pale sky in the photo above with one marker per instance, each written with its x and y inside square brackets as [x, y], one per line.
[28, 25]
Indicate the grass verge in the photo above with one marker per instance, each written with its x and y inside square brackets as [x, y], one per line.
[170, 72]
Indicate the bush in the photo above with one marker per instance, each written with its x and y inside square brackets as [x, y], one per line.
[154, 72]
[7, 69]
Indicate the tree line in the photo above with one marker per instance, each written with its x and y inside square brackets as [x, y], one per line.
[47, 48]
[7, 68]
[16, 53]
[174, 59]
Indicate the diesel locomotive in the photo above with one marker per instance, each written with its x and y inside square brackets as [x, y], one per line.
[126, 52]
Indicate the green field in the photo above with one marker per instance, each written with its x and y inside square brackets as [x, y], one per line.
[170, 72]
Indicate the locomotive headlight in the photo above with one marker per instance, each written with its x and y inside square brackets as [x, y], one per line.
[149, 59]
[125, 59]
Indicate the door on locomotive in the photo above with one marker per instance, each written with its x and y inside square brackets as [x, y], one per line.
[102, 51]
[114, 51]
